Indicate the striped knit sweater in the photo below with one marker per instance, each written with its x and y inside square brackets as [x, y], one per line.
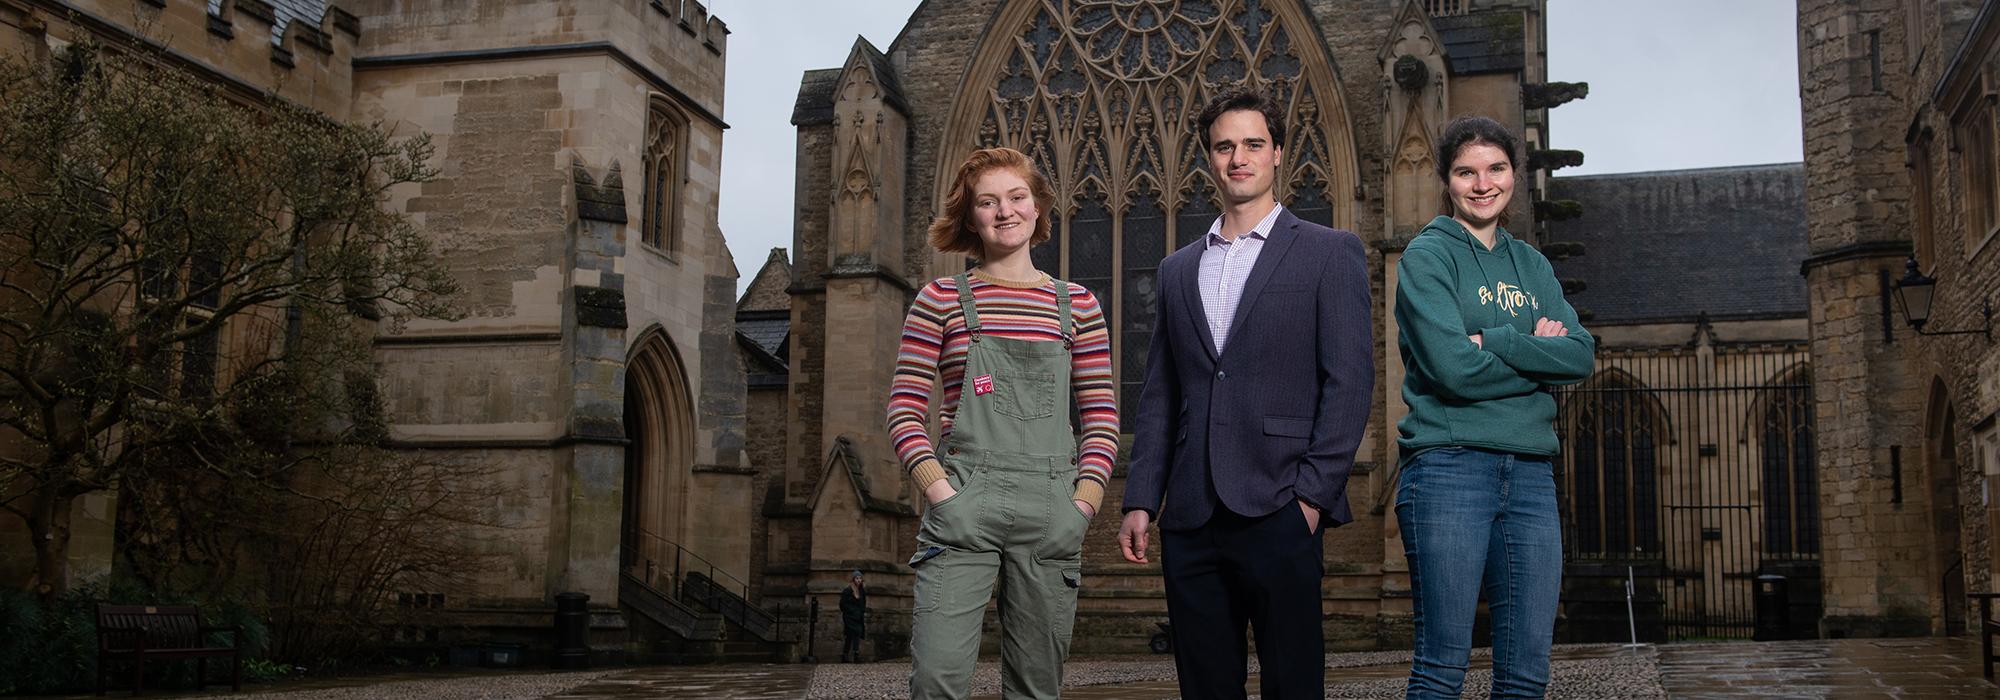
[933, 353]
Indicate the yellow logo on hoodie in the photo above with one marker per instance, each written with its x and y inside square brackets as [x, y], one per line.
[1511, 298]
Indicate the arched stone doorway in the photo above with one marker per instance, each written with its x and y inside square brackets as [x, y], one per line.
[1941, 468]
[659, 422]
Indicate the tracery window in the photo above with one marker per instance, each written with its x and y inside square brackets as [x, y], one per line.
[1102, 95]
[1790, 481]
[666, 134]
[1615, 426]
[1981, 171]
[185, 371]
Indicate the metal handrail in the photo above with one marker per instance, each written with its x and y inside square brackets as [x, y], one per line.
[1957, 568]
[748, 614]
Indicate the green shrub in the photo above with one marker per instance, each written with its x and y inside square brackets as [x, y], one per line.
[53, 649]
[47, 650]
[265, 670]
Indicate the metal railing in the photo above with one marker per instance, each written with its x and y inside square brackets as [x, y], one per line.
[1695, 464]
[695, 578]
[654, 603]
[1952, 588]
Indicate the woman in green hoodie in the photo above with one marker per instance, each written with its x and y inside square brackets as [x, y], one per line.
[1484, 331]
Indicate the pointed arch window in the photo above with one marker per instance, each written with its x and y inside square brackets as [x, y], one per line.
[1615, 427]
[1789, 479]
[665, 158]
[1102, 95]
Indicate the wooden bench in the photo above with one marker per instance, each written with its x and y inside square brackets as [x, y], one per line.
[1988, 628]
[140, 633]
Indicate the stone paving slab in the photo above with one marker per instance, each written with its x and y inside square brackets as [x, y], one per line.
[730, 681]
[1579, 671]
[1852, 668]
[1826, 668]
[489, 686]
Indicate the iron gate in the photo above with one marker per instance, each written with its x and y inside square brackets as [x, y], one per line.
[1690, 470]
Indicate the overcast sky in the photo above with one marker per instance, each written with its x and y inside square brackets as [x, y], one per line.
[1682, 84]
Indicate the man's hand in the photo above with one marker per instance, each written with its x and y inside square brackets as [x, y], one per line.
[1083, 506]
[1312, 516]
[939, 490]
[1546, 328]
[1132, 536]
[1477, 341]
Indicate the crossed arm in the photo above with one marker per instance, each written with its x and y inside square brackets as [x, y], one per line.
[1496, 362]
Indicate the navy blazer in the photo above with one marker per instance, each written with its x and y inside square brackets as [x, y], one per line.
[1278, 415]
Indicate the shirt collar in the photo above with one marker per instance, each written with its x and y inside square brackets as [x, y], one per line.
[1262, 231]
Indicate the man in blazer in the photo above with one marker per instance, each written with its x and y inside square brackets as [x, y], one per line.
[1258, 384]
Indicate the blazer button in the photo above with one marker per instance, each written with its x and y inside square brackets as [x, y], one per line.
[1221, 375]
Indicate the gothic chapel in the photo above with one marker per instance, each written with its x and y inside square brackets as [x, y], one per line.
[1101, 94]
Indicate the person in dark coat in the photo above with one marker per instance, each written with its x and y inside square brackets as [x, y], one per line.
[1259, 380]
[853, 618]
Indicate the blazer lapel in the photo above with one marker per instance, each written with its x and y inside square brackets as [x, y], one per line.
[1275, 245]
[1190, 284]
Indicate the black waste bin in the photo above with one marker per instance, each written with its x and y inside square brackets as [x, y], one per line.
[572, 630]
[1773, 602]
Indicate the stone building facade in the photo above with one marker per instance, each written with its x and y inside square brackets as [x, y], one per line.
[1688, 464]
[598, 370]
[1900, 178]
[1101, 94]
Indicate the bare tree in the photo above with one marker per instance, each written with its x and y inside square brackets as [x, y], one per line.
[188, 280]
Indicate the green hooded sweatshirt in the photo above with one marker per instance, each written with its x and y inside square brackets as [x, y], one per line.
[1450, 286]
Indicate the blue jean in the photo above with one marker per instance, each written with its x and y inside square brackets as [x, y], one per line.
[1474, 519]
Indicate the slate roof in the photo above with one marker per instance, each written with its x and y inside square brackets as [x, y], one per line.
[892, 87]
[1670, 245]
[815, 104]
[768, 333]
[287, 11]
[1483, 42]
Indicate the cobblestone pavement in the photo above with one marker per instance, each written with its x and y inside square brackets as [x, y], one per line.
[1854, 668]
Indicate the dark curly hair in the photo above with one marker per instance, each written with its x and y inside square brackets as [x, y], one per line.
[1242, 97]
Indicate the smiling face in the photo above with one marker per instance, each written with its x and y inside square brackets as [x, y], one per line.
[1242, 156]
[1482, 182]
[1003, 212]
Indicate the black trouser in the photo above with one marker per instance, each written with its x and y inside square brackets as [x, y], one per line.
[1233, 570]
[851, 649]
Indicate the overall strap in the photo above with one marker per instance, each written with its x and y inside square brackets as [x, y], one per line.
[1064, 312]
[967, 306]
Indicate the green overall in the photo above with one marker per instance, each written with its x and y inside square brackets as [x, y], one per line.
[1011, 456]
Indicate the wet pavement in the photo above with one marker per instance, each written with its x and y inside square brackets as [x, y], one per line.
[1599, 671]
[732, 681]
[1853, 668]
[447, 684]
[1838, 668]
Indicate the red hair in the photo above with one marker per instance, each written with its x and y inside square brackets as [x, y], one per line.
[953, 231]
